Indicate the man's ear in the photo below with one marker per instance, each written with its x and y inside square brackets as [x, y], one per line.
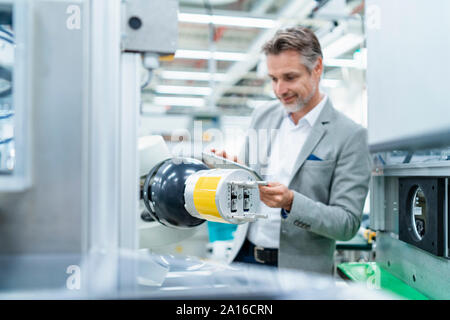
[318, 68]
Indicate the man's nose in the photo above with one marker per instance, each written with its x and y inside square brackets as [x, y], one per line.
[281, 88]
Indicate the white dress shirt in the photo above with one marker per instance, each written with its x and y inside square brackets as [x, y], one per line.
[284, 152]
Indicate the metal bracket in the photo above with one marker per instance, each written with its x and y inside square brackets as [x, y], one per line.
[150, 26]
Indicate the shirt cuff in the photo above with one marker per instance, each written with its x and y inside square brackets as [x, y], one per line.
[284, 213]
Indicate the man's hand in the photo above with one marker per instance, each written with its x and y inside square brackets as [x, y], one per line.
[276, 195]
[223, 154]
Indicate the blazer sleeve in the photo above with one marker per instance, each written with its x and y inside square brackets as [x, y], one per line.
[341, 218]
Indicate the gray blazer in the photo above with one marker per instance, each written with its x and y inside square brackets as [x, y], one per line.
[329, 195]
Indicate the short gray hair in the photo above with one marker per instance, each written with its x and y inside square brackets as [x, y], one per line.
[300, 39]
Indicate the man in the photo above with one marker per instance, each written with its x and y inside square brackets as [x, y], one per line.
[318, 164]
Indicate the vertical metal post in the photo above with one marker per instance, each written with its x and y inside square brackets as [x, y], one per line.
[446, 222]
[377, 204]
[104, 141]
[129, 165]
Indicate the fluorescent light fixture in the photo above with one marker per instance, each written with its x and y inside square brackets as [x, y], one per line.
[330, 83]
[150, 107]
[186, 90]
[257, 103]
[179, 101]
[343, 63]
[204, 54]
[342, 45]
[189, 75]
[247, 22]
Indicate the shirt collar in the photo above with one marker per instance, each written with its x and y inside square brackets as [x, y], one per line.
[312, 116]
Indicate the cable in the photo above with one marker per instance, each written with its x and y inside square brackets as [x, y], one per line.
[408, 157]
[6, 141]
[7, 40]
[380, 158]
[2, 28]
[147, 81]
[208, 7]
[7, 116]
[209, 10]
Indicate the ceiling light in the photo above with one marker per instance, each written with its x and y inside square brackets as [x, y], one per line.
[343, 63]
[330, 83]
[227, 20]
[189, 75]
[186, 90]
[204, 54]
[251, 103]
[342, 45]
[179, 101]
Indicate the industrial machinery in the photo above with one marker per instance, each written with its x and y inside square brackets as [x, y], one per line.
[69, 206]
[183, 193]
[152, 235]
[179, 194]
[409, 138]
[69, 192]
[69, 199]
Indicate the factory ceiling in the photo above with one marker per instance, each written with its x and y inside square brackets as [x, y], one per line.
[218, 66]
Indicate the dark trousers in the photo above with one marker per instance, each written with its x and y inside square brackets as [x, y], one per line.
[246, 255]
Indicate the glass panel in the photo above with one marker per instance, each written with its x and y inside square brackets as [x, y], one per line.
[7, 48]
[405, 157]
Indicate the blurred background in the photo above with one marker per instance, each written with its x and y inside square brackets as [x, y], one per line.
[98, 96]
[219, 76]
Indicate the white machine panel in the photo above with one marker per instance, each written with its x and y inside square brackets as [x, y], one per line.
[408, 70]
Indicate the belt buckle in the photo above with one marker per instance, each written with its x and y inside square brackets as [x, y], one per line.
[255, 253]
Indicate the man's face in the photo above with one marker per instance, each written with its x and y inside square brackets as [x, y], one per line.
[292, 82]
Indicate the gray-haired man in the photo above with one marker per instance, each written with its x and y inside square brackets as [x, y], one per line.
[318, 162]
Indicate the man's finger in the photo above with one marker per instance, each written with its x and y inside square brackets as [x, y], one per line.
[220, 153]
[274, 184]
[268, 190]
[270, 198]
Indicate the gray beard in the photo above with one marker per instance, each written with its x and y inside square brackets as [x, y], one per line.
[301, 103]
[295, 108]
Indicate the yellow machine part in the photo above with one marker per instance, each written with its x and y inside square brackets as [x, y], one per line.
[205, 198]
[169, 57]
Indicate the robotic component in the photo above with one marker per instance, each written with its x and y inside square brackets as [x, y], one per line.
[183, 193]
[163, 192]
[152, 150]
[223, 195]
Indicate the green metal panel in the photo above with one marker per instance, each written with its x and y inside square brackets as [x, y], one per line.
[377, 278]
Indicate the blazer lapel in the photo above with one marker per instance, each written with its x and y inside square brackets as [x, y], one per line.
[316, 134]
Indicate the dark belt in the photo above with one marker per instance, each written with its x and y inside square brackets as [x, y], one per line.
[263, 255]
